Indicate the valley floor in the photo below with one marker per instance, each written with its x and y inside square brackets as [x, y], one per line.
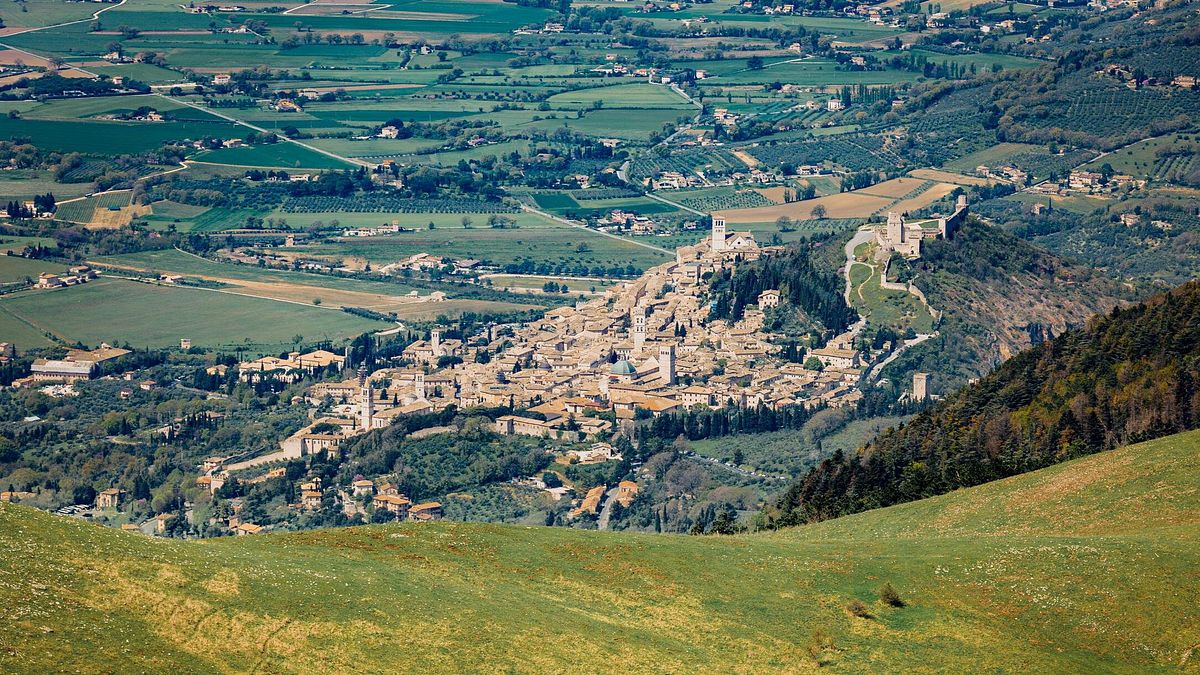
[1089, 566]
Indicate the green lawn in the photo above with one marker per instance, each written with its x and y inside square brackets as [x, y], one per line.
[1084, 567]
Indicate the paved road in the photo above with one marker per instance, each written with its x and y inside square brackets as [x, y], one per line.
[610, 498]
[876, 369]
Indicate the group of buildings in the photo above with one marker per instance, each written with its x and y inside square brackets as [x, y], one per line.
[647, 347]
[77, 364]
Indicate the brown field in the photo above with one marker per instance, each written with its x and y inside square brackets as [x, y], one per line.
[775, 194]
[844, 205]
[924, 199]
[105, 219]
[949, 177]
[746, 158]
[894, 188]
[12, 57]
[9, 57]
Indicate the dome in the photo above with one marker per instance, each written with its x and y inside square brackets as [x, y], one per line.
[623, 368]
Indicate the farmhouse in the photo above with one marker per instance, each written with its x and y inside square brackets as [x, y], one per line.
[109, 499]
[768, 298]
[425, 511]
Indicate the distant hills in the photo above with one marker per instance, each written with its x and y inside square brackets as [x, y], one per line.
[1083, 567]
[1130, 375]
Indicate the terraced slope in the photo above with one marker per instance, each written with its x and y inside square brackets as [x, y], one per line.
[1088, 566]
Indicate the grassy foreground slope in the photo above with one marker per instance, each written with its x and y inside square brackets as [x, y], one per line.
[1088, 566]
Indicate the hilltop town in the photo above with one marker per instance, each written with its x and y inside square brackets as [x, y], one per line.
[582, 374]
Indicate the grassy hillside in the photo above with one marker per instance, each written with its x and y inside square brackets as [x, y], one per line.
[1088, 566]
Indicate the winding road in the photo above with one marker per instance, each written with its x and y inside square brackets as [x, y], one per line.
[861, 237]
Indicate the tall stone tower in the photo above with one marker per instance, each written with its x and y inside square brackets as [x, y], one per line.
[718, 233]
[435, 341]
[666, 365]
[895, 228]
[419, 386]
[920, 386]
[366, 402]
[638, 319]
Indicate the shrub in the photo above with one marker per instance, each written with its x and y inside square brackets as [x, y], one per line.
[889, 596]
[858, 608]
[820, 646]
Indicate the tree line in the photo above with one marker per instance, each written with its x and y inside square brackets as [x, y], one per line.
[1130, 376]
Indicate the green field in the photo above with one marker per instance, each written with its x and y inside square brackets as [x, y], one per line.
[16, 269]
[553, 245]
[280, 155]
[1143, 160]
[111, 138]
[144, 315]
[1088, 566]
[26, 184]
[995, 156]
[19, 332]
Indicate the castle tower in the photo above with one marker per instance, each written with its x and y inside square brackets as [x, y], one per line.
[638, 319]
[435, 341]
[961, 203]
[920, 386]
[718, 233]
[366, 402]
[895, 228]
[666, 365]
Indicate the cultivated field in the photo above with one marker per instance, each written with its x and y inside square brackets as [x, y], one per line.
[144, 315]
[302, 289]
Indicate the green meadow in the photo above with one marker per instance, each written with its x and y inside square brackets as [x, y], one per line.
[1088, 566]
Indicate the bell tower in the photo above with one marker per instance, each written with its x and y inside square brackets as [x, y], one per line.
[366, 402]
[718, 233]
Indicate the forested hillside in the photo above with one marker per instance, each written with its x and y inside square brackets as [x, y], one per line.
[1129, 376]
[803, 283]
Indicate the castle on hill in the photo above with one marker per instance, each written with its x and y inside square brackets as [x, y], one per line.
[904, 237]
